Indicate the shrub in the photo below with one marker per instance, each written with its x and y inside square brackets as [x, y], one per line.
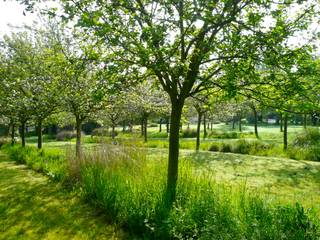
[214, 147]
[222, 135]
[66, 135]
[158, 135]
[103, 132]
[189, 133]
[225, 147]
[310, 137]
[241, 146]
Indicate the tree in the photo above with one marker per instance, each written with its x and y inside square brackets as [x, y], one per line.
[185, 44]
[85, 84]
[147, 100]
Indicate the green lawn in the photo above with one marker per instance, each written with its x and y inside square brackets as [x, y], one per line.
[32, 207]
[285, 180]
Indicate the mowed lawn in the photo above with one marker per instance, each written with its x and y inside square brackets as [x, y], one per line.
[285, 180]
[32, 207]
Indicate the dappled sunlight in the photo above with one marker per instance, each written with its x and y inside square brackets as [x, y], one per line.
[31, 207]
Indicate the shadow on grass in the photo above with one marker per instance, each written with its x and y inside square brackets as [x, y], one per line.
[31, 207]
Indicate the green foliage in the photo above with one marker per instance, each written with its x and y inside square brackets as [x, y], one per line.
[220, 134]
[242, 146]
[66, 135]
[309, 138]
[189, 133]
[103, 132]
[50, 161]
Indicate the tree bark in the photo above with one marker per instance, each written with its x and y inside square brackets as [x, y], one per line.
[285, 132]
[142, 126]
[23, 135]
[281, 123]
[160, 125]
[240, 126]
[113, 133]
[255, 114]
[305, 121]
[12, 134]
[198, 131]
[123, 126]
[168, 125]
[146, 129]
[78, 141]
[204, 126]
[39, 132]
[173, 150]
[211, 127]
[233, 122]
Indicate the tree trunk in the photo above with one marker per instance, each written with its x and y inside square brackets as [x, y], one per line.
[305, 121]
[198, 131]
[113, 133]
[146, 129]
[204, 126]
[240, 126]
[78, 142]
[285, 132]
[160, 125]
[211, 123]
[173, 150]
[23, 136]
[123, 126]
[233, 122]
[188, 126]
[255, 114]
[142, 126]
[39, 132]
[12, 134]
[281, 123]
[168, 125]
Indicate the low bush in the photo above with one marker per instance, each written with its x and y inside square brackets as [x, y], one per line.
[243, 147]
[308, 138]
[188, 133]
[65, 135]
[158, 135]
[225, 147]
[103, 132]
[223, 135]
[215, 147]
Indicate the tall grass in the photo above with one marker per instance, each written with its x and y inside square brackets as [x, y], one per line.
[129, 187]
[50, 161]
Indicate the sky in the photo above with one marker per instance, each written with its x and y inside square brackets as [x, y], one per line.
[11, 13]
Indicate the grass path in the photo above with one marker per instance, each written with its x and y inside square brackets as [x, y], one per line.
[31, 207]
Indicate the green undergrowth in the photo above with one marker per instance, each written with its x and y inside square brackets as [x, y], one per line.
[128, 186]
[52, 161]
